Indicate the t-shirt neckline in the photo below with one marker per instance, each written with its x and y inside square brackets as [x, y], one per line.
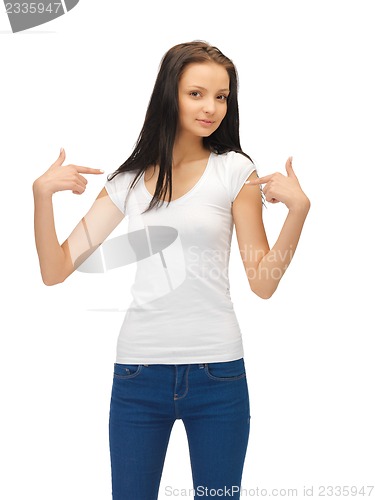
[188, 193]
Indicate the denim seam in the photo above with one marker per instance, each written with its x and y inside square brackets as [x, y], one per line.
[222, 379]
[187, 384]
[125, 377]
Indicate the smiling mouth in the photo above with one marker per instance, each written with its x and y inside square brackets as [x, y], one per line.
[206, 121]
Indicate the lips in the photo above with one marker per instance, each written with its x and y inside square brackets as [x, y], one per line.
[205, 123]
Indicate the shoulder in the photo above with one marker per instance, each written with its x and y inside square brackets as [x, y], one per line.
[120, 181]
[233, 159]
[239, 159]
[233, 168]
[118, 186]
[120, 177]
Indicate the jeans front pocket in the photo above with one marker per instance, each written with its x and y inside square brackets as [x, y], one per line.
[125, 371]
[226, 370]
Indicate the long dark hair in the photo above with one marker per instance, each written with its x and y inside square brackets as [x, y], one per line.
[156, 139]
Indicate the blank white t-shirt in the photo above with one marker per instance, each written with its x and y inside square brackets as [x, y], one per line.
[182, 312]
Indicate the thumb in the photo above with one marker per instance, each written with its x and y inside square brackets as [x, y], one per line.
[61, 158]
[289, 167]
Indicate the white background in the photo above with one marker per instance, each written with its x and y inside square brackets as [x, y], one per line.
[83, 82]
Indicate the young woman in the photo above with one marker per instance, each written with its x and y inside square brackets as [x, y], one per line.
[179, 352]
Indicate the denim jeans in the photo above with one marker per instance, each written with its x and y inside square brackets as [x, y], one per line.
[211, 399]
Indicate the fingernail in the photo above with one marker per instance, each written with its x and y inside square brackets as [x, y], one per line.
[101, 171]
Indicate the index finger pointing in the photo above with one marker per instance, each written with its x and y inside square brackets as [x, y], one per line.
[88, 170]
[260, 180]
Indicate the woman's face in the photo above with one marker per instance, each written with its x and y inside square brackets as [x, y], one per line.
[202, 97]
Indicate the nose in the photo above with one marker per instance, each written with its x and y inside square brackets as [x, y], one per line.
[209, 106]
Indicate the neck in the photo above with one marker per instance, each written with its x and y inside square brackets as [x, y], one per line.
[187, 149]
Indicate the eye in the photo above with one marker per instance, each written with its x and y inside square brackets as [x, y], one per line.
[222, 97]
[194, 93]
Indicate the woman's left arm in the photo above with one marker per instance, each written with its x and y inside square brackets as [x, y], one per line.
[264, 266]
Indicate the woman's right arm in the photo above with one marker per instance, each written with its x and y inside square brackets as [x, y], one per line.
[57, 261]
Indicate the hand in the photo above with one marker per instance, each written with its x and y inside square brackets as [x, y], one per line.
[61, 178]
[286, 189]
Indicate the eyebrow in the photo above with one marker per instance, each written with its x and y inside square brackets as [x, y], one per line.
[203, 88]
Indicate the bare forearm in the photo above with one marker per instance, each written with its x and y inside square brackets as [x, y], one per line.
[55, 259]
[273, 265]
[51, 255]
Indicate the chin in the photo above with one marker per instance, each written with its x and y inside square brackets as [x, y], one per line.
[206, 133]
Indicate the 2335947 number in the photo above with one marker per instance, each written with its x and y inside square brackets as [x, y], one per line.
[32, 7]
[345, 491]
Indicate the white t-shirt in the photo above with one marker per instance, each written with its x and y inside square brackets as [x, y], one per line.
[182, 311]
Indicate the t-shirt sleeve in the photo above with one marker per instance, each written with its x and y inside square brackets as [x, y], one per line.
[239, 168]
[117, 189]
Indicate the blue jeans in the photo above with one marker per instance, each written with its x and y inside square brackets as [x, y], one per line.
[211, 399]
